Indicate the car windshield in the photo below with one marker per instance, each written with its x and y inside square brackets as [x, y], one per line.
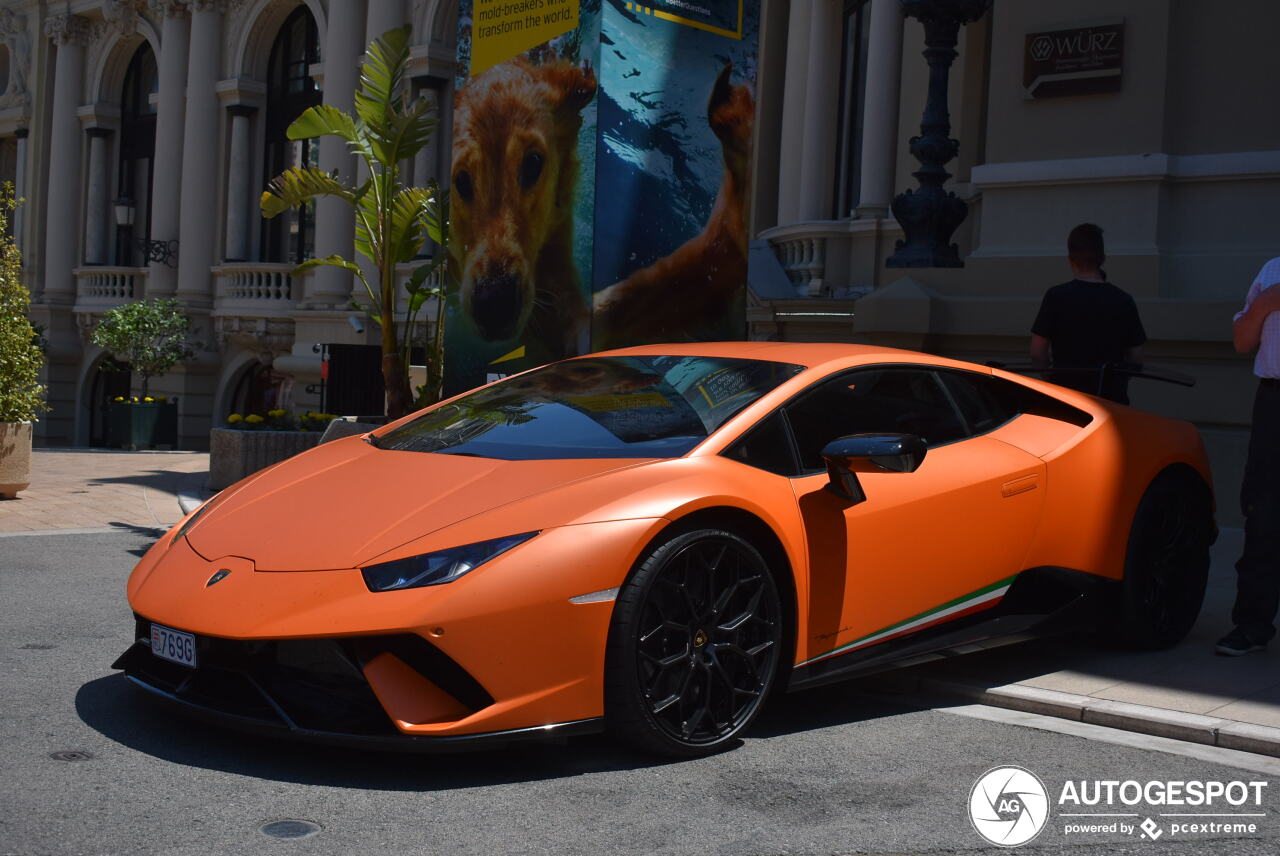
[596, 407]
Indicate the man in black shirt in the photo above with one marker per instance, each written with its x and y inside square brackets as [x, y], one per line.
[1087, 323]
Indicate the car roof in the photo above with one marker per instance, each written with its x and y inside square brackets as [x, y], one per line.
[812, 355]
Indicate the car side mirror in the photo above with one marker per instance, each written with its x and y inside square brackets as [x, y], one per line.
[869, 453]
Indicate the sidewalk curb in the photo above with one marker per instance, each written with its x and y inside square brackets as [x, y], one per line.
[1126, 716]
[192, 492]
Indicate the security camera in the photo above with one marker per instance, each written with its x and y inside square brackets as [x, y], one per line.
[356, 324]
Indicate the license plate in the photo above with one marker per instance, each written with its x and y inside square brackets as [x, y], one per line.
[173, 645]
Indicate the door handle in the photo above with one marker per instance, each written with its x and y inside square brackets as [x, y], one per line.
[1021, 485]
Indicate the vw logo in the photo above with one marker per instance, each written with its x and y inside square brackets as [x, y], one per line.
[1041, 48]
[1008, 806]
[218, 577]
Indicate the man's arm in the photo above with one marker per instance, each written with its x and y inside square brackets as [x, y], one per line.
[1041, 351]
[1247, 329]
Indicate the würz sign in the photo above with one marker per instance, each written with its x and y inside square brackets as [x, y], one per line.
[1078, 61]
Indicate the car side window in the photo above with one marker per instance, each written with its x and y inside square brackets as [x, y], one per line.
[877, 400]
[766, 447]
[983, 404]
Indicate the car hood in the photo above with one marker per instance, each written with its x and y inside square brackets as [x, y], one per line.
[343, 503]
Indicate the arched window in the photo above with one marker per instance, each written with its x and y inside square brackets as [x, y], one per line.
[137, 151]
[290, 90]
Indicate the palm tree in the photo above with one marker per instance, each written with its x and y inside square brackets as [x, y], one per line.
[392, 220]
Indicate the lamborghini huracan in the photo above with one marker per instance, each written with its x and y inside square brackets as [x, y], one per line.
[654, 540]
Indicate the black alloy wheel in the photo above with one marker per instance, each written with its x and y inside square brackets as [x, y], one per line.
[1166, 563]
[695, 644]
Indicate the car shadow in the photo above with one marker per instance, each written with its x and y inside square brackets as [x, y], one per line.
[125, 715]
[837, 704]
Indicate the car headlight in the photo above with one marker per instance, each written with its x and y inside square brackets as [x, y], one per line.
[432, 569]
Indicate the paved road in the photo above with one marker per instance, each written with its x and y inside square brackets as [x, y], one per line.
[827, 772]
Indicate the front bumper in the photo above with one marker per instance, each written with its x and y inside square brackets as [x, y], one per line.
[315, 690]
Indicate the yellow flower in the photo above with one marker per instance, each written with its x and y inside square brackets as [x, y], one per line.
[234, 418]
[148, 398]
[275, 414]
[118, 398]
[253, 419]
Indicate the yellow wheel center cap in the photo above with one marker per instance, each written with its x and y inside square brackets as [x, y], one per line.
[699, 639]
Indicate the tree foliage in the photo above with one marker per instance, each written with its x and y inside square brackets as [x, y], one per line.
[392, 221]
[149, 335]
[21, 395]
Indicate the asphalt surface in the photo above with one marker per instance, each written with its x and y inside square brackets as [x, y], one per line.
[832, 771]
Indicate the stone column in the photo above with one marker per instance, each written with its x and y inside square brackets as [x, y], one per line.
[166, 190]
[821, 110]
[793, 113]
[239, 194]
[97, 215]
[344, 45]
[880, 110]
[70, 33]
[385, 15]
[200, 154]
[20, 182]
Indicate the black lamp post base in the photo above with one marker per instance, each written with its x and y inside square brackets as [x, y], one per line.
[928, 219]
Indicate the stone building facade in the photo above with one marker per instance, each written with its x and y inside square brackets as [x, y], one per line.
[179, 107]
[141, 135]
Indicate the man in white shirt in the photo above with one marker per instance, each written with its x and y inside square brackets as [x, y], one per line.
[1258, 570]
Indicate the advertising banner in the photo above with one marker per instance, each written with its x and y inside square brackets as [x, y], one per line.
[599, 181]
[676, 116]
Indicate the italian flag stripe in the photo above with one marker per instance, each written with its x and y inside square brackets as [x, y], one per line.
[976, 601]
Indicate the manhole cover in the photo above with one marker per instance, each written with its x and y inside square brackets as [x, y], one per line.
[71, 755]
[291, 829]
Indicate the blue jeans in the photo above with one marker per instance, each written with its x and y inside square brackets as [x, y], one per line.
[1258, 570]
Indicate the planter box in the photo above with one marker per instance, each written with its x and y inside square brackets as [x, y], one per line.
[144, 425]
[236, 454]
[15, 458]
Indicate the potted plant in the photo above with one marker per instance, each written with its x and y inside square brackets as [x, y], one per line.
[249, 442]
[21, 395]
[392, 220]
[151, 336]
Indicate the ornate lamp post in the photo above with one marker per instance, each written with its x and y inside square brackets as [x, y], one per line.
[930, 215]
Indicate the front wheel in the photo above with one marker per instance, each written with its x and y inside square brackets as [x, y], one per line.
[694, 646]
[1166, 563]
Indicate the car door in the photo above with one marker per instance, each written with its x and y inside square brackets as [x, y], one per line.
[924, 547]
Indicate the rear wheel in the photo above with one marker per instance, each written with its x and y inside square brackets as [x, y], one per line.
[694, 646]
[1166, 562]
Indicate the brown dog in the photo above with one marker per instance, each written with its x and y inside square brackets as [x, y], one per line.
[693, 288]
[515, 167]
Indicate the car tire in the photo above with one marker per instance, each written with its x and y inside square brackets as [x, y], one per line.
[1166, 563]
[694, 645]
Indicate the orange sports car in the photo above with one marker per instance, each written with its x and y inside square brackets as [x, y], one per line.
[654, 540]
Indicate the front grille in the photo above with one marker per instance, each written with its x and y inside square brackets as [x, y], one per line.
[301, 684]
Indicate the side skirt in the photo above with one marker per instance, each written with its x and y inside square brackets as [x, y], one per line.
[1040, 602]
